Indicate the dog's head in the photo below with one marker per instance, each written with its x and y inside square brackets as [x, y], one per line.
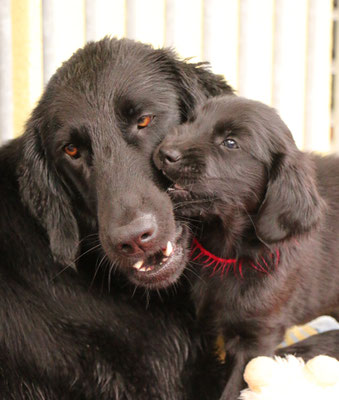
[87, 155]
[238, 158]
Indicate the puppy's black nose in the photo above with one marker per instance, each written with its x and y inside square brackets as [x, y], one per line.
[169, 155]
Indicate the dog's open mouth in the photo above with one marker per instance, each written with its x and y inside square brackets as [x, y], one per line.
[165, 266]
[190, 200]
[156, 260]
[184, 196]
[179, 192]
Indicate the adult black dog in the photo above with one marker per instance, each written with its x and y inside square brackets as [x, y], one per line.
[78, 192]
[268, 245]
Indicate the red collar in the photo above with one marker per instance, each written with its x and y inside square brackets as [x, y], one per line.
[223, 265]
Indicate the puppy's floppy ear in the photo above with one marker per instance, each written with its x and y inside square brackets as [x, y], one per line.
[292, 204]
[45, 197]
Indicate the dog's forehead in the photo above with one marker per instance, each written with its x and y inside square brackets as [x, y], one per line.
[240, 116]
[215, 118]
[95, 81]
[230, 110]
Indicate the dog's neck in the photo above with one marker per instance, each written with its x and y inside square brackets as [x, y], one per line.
[224, 236]
[222, 249]
[264, 264]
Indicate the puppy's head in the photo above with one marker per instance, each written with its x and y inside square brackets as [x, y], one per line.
[238, 157]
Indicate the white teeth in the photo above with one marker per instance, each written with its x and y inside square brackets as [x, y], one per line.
[168, 251]
[138, 265]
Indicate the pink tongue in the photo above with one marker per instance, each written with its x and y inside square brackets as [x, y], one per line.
[176, 186]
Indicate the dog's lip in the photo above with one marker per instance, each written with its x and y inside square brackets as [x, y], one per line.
[147, 265]
[178, 192]
[154, 263]
[165, 272]
[176, 187]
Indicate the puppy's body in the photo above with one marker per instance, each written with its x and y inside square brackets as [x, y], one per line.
[267, 247]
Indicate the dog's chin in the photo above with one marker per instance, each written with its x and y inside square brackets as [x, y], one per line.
[190, 203]
[163, 268]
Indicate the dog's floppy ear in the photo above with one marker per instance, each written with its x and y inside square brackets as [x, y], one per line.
[292, 204]
[196, 84]
[204, 80]
[193, 81]
[45, 197]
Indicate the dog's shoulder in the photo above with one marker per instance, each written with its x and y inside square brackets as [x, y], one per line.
[10, 202]
[327, 173]
[9, 158]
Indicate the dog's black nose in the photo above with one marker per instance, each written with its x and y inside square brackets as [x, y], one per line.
[136, 237]
[169, 155]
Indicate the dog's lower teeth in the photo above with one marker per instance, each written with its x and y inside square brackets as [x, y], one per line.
[138, 265]
[156, 260]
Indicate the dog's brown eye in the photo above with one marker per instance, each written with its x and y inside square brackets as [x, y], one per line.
[230, 144]
[144, 121]
[72, 150]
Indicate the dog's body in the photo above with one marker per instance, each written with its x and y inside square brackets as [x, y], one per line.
[80, 212]
[268, 244]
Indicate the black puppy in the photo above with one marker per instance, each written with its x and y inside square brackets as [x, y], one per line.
[267, 246]
[78, 192]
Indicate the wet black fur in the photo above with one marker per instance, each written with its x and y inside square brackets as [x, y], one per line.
[73, 323]
[256, 198]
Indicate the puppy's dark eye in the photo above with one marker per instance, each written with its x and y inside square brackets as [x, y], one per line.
[144, 121]
[230, 144]
[72, 150]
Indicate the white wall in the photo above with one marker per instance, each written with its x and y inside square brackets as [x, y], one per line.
[276, 51]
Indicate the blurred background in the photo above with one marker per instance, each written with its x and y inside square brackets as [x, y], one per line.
[281, 52]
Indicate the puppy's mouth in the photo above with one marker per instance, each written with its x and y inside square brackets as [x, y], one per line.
[176, 188]
[185, 193]
[190, 200]
[164, 267]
